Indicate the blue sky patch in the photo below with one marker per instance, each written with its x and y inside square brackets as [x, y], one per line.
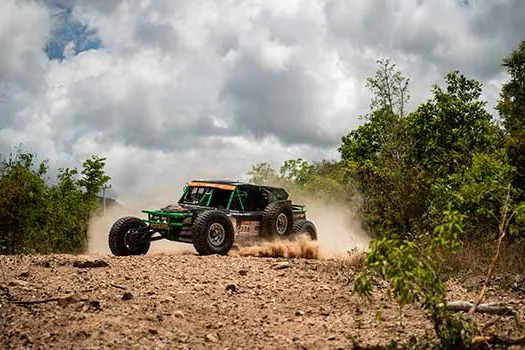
[65, 29]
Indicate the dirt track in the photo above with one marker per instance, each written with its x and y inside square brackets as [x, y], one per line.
[190, 302]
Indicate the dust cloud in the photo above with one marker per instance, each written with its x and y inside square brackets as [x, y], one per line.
[99, 227]
[302, 247]
[338, 232]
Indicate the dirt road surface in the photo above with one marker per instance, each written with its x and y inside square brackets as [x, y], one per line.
[183, 301]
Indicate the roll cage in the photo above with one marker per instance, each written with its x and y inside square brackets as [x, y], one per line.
[231, 196]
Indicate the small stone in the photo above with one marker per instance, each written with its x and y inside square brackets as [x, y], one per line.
[282, 265]
[212, 338]
[232, 287]
[24, 274]
[19, 283]
[168, 299]
[325, 312]
[50, 264]
[67, 300]
[127, 296]
[243, 272]
[299, 313]
[153, 331]
[178, 314]
[95, 305]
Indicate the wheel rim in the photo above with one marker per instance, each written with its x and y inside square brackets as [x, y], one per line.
[281, 224]
[128, 240]
[216, 234]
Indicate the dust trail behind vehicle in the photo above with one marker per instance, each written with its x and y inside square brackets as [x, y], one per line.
[338, 231]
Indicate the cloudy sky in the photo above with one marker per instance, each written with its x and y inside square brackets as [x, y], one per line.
[170, 90]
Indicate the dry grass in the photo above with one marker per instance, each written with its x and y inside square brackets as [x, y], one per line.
[474, 258]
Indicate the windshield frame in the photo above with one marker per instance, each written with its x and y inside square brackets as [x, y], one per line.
[205, 193]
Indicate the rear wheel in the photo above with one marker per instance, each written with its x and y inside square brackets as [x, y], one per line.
[301, 227]
[123, 237]
[212, 233]
[277, 220]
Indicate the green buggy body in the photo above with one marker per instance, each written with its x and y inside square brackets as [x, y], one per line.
[212, 215]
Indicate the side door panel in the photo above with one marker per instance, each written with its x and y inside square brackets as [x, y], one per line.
[247, 223]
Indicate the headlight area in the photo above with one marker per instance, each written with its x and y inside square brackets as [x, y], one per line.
[158, 219]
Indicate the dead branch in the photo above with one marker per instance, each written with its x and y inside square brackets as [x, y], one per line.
[62, 301]
[31, 302]
[117, 286]
[502, 228]
[489, 308]
[480, 342]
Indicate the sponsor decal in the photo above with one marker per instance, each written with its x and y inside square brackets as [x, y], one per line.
[248, 227]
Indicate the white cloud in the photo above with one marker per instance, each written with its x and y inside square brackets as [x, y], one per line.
[22, 61]
[185, 89]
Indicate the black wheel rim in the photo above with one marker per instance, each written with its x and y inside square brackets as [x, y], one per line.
[216, 234]
[129, 240]
[281, 224]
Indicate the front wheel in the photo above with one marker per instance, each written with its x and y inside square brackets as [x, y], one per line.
[123, 238]
[212, 233]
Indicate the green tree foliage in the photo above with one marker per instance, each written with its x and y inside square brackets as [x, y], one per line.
[481, 191]
[22, 199]
[449, 133]
[511, 108]
[38, 217]
[323, 180]
[389, 87]
[410, 168]
[452, 125]
[263, 173]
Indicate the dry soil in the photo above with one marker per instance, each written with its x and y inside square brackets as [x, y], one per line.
[184, 301]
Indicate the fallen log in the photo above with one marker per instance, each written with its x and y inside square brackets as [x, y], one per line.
[488, 308]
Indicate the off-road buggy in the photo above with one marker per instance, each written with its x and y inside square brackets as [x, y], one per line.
[211, 215]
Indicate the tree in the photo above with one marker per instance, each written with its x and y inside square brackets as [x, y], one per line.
[376, 157]
[511, 108]
[94, 177]
[449, 127]
[447, 132]
[389, 88]
[414, 273]
[262, 173]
